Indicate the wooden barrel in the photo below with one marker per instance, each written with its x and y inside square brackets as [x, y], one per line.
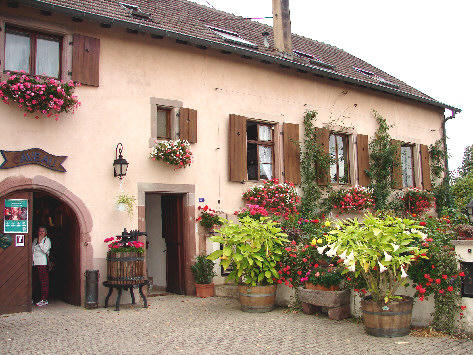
[392, 319]
[257, 299]
[125, 268]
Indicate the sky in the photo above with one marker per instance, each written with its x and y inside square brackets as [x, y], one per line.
[425, 43]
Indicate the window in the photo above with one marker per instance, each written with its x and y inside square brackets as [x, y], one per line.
[169, 120]
[260, 150]
[163, 122]
[339, 167]
[407, 165]
[33, 52]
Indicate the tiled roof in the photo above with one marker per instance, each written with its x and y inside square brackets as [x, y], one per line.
[189, 21]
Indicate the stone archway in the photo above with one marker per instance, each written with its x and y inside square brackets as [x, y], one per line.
[60, 192]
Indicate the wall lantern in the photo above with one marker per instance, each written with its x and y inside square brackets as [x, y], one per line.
[120, 164]
[469, 211]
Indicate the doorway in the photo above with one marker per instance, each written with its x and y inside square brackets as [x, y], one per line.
[16, 284]
[62, 226]
[165, 255]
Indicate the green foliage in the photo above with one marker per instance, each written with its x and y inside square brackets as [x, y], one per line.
[379, 249]
[382, 161]
[438, 155]
[462, 190]
[467, 162]
[314, 164]
[439, 273]
[253, 248]
[203, 270]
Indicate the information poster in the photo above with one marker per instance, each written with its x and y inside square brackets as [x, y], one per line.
[16, 216]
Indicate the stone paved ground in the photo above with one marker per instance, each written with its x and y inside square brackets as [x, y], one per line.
[188, 325]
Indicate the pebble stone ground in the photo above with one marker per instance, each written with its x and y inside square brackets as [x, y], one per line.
[176, 324]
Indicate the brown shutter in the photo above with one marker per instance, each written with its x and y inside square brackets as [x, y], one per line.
[425, 164]
[85, 60]
[188, 125]
[397, 169]
[237, 148]
[363, 159]
[292, 161]
[322, 136]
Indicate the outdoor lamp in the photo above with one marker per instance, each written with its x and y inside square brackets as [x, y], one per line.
[120, 164]
[469, 211]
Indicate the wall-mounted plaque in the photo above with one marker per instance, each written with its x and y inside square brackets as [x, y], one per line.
[32, 156]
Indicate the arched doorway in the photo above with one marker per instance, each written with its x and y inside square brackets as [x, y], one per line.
[63, 231]
[69, 224]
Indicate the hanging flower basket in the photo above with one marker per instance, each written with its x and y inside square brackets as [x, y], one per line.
[39, 95]
[176, 153]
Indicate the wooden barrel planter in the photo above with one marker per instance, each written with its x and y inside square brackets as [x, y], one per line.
[257, 299]
[392, 319]
[125, 268]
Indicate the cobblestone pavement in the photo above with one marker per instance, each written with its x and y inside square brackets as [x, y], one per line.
[188, 325]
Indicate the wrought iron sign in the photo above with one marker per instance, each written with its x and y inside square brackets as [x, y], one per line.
[37, 156]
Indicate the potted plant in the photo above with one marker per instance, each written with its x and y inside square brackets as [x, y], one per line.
[324, 278]
[203, 272]
[208, 218]
[253, 248]
[126, 203]
[356, 198]
[380, 249]
[177, 153]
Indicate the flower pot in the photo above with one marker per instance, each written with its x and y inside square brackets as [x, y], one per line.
[311, 286]
[257, 299]
[204, 290]
[121, 207]
[392, 319]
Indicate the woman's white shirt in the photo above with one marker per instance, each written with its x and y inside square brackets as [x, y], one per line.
[40, 251]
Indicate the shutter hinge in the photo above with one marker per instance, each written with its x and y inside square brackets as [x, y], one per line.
[69, 73]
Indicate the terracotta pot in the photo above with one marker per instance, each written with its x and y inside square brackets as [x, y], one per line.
[392, 319]
[204, 290]
[311, 286]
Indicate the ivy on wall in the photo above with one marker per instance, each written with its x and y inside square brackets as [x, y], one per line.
[382, 161]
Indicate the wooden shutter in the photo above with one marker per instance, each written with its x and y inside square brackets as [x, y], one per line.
[85, 60]
[292, 160]
[188, 125]
[322, 136]
[397, 168]
[425, 164]
[237, 148]
[363, 159]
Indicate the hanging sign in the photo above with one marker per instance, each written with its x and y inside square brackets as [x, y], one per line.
[20, 240]
[16, 216]
[5, 241]
[37, 156]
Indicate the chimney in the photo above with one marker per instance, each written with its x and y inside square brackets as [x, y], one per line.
[282, 26]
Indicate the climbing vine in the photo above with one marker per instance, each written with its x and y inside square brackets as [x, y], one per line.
[382, 161]
[314, 165]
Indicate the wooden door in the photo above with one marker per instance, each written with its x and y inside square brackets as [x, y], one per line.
[15, 261]
[172, 233]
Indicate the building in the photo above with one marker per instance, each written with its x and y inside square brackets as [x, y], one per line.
[168, 69]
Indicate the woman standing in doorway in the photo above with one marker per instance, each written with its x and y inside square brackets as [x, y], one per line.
[41, 247]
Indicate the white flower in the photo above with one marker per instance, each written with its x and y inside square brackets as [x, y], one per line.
[351, 267]
[395, 246]
[422, 235]
[321, 249]
[403, 273]
[382, 268]
[387, 257]
[331, 252]
[350, 257]
[343, 255]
